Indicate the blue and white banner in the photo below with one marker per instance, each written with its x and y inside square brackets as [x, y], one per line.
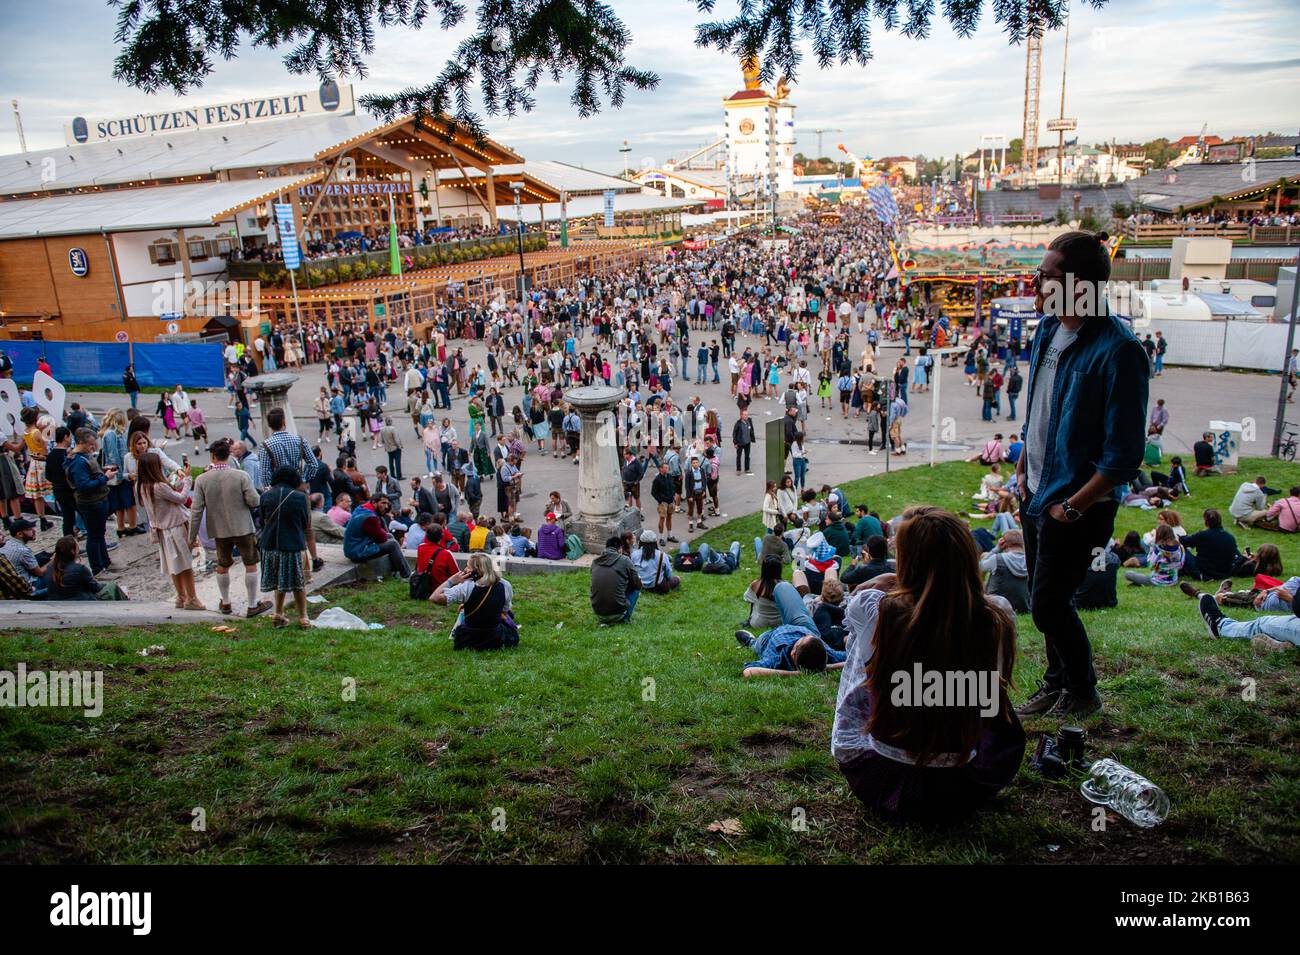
[609, 208]
[288, 235]
[883, 203]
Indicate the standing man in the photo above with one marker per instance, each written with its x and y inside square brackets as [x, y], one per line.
[742, 436]
[1015, 383]
[1084, 431]
[284, 449]
[90, 490]
[393, 446]
[227, 497]
[664, 491]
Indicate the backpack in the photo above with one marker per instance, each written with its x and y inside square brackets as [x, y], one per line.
[573, 548]
[421, 584]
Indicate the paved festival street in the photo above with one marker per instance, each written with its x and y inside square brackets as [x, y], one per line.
[1194, 397]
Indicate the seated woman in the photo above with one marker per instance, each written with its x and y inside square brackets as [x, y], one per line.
[653, 566]
[1131, 549]
[485, 621]
[1169, 518]
[787, 496]
[990, 485]
[67, 579]
[1165, 560]
[763, 609]
[927, 763]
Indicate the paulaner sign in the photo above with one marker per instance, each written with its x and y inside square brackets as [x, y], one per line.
[329, 98]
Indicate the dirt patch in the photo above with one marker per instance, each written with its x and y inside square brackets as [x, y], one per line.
[769, 746]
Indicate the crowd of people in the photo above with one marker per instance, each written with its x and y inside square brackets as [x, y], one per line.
[800, 326]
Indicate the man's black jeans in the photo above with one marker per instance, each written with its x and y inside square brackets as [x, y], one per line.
[742, 451]
[1058, 555]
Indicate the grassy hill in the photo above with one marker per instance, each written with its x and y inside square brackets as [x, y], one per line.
[612, 744]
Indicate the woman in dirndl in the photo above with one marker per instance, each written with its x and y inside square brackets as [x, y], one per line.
[283, 543]
[37, 439]
[169, 527]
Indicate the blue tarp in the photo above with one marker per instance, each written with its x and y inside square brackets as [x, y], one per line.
[157, 365]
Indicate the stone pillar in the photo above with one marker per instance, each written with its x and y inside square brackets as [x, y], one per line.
[272, 391]
[601, 511]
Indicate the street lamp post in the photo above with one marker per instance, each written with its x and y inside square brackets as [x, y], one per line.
[517, 187]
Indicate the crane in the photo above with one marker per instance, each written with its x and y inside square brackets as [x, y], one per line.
[819, 132]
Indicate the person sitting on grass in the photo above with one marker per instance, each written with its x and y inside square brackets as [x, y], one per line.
[928, 763]
[1203, 453]
[486, 621]
[1211, 554]
[1284, 515]
[1165, 559]
[991, 484]
[1008, 574]
[828, 612]
[864, 527]
[763, 611]
[1098, 588]
[615, 585]
[1250, 504]
[836, 533]
[991, 453]
[871, 563]
[67, 579]
[1272, 633]
[773, 544]
[653, 566]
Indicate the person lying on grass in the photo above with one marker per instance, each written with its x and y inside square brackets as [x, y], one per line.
[1273, 632]
[796, 646]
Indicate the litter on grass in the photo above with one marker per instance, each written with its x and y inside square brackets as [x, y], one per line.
[336, 618]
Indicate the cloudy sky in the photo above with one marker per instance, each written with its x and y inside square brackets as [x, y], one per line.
[1138, 69]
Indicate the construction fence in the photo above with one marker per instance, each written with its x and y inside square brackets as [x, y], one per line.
[157, 365]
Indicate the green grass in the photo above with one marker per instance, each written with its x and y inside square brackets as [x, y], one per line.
[558, 739]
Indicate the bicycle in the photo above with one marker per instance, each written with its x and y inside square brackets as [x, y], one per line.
[1286, 451]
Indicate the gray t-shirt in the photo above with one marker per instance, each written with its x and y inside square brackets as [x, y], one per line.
[1040, 405]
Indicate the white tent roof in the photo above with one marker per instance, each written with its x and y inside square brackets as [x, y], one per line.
[194, 152]
[584, 206]
[558, 175]
[125, 210]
